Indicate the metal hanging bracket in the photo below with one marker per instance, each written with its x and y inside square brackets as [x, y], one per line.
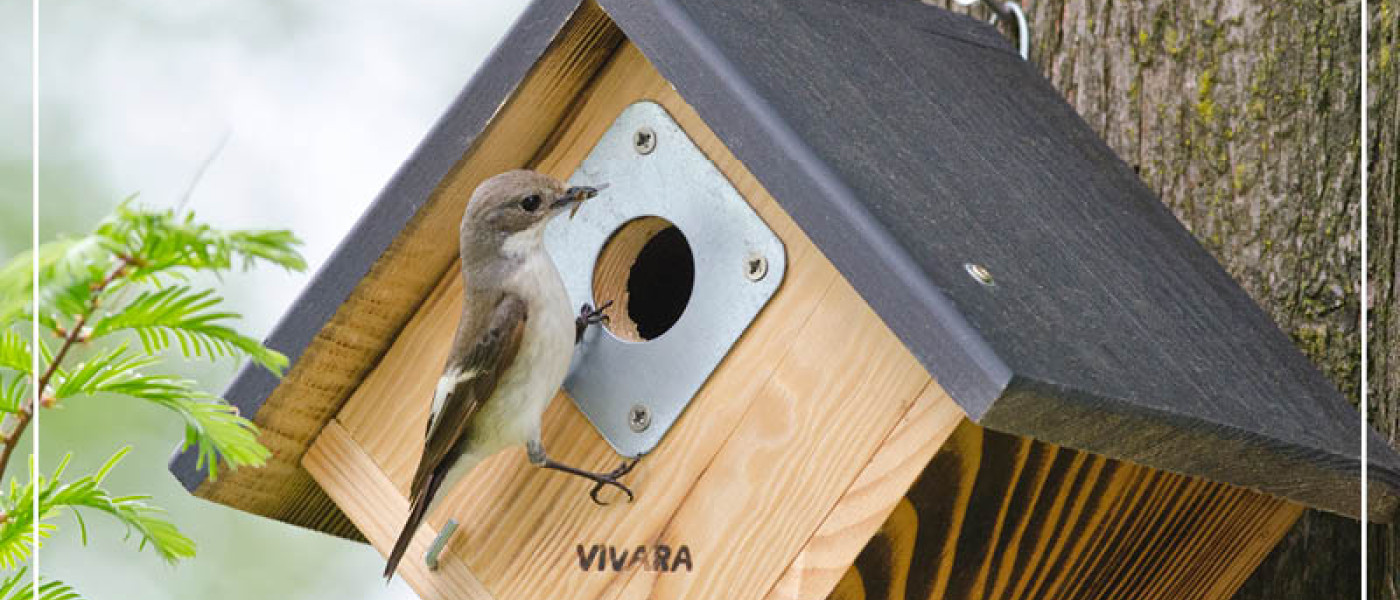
[1012, 11]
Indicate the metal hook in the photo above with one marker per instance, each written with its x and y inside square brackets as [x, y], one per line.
[1009, 10]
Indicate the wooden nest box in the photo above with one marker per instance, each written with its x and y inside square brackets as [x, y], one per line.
[937, 340]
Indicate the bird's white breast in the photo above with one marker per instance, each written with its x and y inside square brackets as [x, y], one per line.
[512, 415]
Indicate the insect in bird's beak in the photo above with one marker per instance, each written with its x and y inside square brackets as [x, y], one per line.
[577, 195]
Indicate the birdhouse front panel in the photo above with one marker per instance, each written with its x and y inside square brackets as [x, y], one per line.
[795, 410]
[788, 349]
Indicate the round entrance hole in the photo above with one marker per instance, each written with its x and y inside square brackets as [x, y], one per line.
[647, 271]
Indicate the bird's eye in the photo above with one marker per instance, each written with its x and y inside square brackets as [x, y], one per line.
[530, 203]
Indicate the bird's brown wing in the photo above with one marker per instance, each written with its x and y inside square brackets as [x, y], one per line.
[482, 351]
[480, 367]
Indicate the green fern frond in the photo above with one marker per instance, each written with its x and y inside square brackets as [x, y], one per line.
[18, 533]
[276, 246]
[92, 280]
[52, 589]
[160, 241]
[217, 431]
[13, 390]
[211, 425]
[14, 352]
[16, 544]
[11, 586]
[101, 373]
[21, 587]
[190, 318]
[62, 263]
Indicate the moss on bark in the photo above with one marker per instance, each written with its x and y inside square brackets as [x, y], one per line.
[1384, 248]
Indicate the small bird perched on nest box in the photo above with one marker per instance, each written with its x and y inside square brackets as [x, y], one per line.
[513, 342]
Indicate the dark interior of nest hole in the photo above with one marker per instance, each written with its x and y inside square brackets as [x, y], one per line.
[647, 270]
[659, 283]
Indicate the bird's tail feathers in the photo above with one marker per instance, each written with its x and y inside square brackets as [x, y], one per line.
[418, 510]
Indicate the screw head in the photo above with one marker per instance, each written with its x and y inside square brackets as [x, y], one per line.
[755, 266]
[644, 140]
[639, 418]
[980, 273]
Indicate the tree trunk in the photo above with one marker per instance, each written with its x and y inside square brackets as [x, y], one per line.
[1383, 285]
[1245, 117]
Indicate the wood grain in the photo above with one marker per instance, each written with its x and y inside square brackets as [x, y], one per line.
[335, 456]
[868, 504]
[346, 349]
[998, 517]
[767, 448]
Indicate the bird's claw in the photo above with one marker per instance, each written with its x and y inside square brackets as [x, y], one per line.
[611, 478]
[587, 315]
[592, 316]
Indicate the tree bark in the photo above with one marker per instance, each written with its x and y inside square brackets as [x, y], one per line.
[1383, 287]
[1245, 117]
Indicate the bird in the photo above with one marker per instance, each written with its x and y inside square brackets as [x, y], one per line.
[512, 346]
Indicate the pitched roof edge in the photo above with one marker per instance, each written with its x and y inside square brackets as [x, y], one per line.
[1317, 477]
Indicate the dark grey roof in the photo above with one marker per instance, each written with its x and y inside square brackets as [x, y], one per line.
[909, 142]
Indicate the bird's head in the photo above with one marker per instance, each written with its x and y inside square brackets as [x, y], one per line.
[507, 213]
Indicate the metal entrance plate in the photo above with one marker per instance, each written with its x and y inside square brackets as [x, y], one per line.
[633, 392]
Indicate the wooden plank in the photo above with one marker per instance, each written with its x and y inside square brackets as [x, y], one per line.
[998, 517]
[774, 412]
[345, 350]
[358, 485]
[871, 499]
[810, 430]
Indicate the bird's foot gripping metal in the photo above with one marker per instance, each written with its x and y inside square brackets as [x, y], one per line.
[587, 315]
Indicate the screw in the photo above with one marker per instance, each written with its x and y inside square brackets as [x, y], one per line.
[639, 418]
[644, 140]
[755, 266]
[980, 273]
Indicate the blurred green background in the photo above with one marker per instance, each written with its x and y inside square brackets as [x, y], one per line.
[307, 108]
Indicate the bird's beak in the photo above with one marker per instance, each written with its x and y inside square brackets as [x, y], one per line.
[577, 195]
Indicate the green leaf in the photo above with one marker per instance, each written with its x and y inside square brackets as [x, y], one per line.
[18, 533]
[12, 584]
[13, 390]
[190, 318]
[14, 352]
[160, 241]
[52, 589]
[15, 356]
[102, 373]
[211, 424]
[16, 542]
[78, 279]
[218, 431]
[16, 586]
[20, 587]
[66, 268]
